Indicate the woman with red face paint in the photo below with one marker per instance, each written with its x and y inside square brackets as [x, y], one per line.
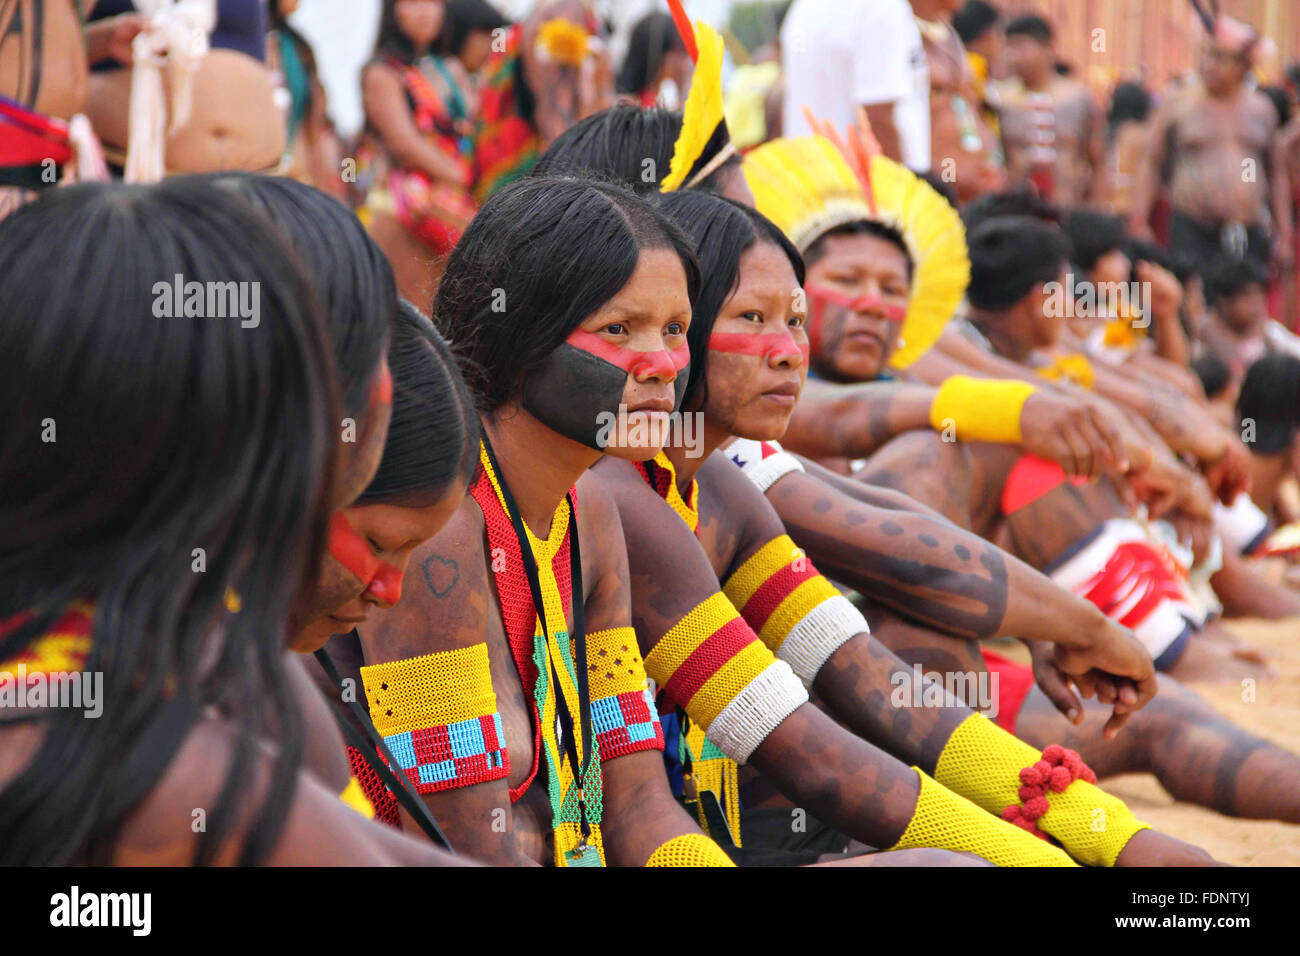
[429, 461]
[155, 546]
[749, 329]
[508, 678]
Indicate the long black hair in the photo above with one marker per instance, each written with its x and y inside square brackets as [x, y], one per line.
[464, 17]
[540, 257]
[353, 279]
[390, 41]
[134, 437]
[653, 38]
[723, 230]
[434, 432]
[632, 145]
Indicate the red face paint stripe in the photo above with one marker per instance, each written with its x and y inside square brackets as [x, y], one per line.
[865, 303]
[764, 346]
[383, 388]
[386, 588]
[379, 578]
[658, 364]
[350, 549]
[681, 357]
[662, 363]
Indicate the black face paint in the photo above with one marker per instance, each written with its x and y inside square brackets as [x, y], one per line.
[573, 392]
[578, 394]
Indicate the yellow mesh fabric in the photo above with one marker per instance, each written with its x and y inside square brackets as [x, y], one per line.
[568, 833]
[981, 409]
[982, 762]
[686, 635]
[947, 821]
[558, 661]
[730, 668]
[728, 681]
[689, 849]
[614, 664]
[688, 510]
[439, 688]
[793, 609]
[356, 798]
[714, 772]
[760, 566]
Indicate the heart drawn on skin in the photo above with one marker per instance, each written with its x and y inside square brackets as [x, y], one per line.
[440, 574]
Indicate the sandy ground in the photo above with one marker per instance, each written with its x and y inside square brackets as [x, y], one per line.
[1274, 715]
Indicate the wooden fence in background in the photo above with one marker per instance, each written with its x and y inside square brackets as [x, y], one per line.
[1154, 38]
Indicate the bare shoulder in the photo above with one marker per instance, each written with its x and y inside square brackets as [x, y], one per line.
[445, 602]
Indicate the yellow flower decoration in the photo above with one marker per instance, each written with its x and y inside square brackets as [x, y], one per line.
[563, 41]
[1120, 333]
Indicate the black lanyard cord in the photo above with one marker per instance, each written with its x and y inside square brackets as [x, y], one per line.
[578, 636]
[397, 782]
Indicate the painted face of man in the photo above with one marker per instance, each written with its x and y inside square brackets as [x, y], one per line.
[618, 377]
[858, 291]
[758, 349]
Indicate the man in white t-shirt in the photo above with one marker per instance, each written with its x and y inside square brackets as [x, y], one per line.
[838, 55]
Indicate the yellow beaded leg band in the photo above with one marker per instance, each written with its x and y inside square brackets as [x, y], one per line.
[689, 849]
[982, 762]
[948, 822]
[980, 409]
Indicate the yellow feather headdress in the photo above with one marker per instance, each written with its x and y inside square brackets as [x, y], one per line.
[702, 114]
[811, 185]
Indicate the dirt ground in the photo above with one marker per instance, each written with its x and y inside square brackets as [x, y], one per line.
[1275, 715]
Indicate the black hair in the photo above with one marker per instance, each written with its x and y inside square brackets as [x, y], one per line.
[1009, 257]
[1018, 201]
[174, 433]
[859, 227]
[1229, 279]
[652, 39]
[1213, 372]
[464, 17]
[1281, 103]
[1270, 397]
[1093, 234]
[974, 20]
[632, 145]
[1293, 74]
[434, 432]
[390, 40]
[1184, 267]
[353, 279]
[1129, 103]
[1031, 26]
[541, 256]
[722, 231]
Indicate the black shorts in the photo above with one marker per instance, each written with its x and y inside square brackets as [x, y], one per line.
[771, 836]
